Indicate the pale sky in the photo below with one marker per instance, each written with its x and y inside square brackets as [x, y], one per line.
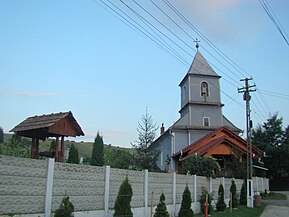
[77, 55]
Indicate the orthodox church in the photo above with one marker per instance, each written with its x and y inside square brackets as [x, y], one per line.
[202, 128]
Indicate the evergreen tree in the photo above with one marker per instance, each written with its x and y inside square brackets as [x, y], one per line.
[97, 156]
[243, 195]
[233, 190]
[186, 210]
[122, 205]
[66, 208]
[221, 205]
[145, 157]
[1, 135]
[161, 210]
[73, 155]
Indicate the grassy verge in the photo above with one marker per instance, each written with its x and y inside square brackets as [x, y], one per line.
[241, 211]
[273, 196]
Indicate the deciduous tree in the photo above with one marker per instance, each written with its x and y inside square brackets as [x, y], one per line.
[202, 166]
[273, 140]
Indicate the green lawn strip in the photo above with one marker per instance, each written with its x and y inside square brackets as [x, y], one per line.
[274, 196]
[242, 211]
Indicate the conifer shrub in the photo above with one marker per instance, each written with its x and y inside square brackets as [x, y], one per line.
[122, 205]
[243, 195]
[186, 210]
[65, 209]
[221, 205]
[233, 190]
[203, 200]
[161, 210]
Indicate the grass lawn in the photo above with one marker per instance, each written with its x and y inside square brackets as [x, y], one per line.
[241, 211]
[274, 196]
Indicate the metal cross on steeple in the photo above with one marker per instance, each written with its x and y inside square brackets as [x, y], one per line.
[197, 43]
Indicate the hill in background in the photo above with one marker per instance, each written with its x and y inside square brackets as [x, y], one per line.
[84, 148]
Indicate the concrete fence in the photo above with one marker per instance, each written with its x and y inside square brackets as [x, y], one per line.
[30, 187]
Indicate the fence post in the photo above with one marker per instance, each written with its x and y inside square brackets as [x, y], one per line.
[262, 184]
[174, 192]
[146, 192]
[48, 187]
[106, 189]
[195, 188]
[211, 184]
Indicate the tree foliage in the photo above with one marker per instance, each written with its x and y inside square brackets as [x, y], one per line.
[161, 210]
[221, 205]
[203, 200]
[65, 209]
[1, 135]
[186, 210]
[16, 147]
[202, 166]
[243, 195]
[97, 156]
[73, 156]
[273, 139]
[122, 205]
[233, 190]
[118, 158]
[146, 157]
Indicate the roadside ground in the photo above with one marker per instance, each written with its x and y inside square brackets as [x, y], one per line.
[277, 208]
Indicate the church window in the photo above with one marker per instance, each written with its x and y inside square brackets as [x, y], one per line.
[204, 89]
[206, 121]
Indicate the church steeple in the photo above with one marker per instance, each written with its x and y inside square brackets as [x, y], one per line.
[200, 94]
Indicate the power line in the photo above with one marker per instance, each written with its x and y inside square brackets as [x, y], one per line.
[274, 19]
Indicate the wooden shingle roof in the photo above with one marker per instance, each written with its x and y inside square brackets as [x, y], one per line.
[42, 124]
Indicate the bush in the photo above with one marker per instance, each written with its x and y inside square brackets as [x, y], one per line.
[221, 205]
[203, 200]
[243, 195]
[122, 203]
[185, 210]
[161, 210]
[65, 209]
[233, 190]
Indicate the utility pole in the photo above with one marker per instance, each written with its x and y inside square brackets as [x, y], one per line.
[246, 90]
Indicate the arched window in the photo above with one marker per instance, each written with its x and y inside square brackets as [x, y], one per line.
[204, 89]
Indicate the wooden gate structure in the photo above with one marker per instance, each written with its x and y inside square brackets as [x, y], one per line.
[58, 125]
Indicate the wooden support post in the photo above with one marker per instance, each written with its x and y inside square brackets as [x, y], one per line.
[36, 155]
[32, 148]
[62, 149]
[56, 149]
[152, 204]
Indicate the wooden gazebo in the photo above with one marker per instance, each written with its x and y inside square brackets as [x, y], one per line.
[56, 125]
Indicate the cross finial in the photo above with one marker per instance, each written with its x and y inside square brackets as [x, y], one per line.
[197, 43]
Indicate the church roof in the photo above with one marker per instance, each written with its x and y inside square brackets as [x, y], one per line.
[212, 140]
[200, 66]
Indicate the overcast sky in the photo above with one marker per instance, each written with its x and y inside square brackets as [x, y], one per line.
[79, 56]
